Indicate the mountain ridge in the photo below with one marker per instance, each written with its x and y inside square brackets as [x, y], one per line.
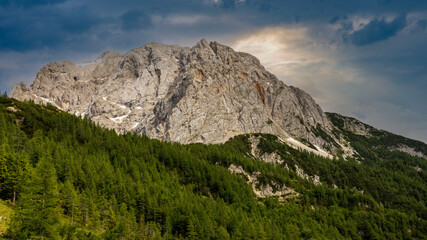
[207, 93]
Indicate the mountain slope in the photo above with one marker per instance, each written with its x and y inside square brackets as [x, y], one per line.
[127, 186]
[369, 142]
[207, 93]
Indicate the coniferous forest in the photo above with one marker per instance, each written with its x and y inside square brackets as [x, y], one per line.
[64, 177]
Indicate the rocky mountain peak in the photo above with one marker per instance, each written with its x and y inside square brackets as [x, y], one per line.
[207, 93]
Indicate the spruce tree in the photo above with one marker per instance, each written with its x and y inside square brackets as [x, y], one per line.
[37, 215]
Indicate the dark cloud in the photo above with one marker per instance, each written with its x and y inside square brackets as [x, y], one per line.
[377, 30]
[135, 20]
[34, 32]
[18, 36]
[32, 24]
[264, 7]
[227, 4]
[24, 29]
[334, 19]
[79, 20]
[232, 4]
[28, 3]
[421, 24]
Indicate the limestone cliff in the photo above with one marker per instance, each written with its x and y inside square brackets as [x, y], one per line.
[207, 93]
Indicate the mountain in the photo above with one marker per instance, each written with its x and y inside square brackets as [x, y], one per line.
[207, 94]
[64, 177]
[201, 143]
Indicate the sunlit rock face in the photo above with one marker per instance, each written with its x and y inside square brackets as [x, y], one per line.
[207, 93]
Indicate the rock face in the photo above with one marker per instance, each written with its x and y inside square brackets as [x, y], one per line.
[264, 190]
[207, 93]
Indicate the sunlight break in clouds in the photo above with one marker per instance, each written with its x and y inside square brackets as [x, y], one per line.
[331, 76]
[278, 48]
[296, 59]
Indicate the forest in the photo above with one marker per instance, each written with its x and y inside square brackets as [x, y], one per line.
[64, 177]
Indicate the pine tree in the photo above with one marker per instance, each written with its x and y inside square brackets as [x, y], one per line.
[222, 234]
[191, 231]
[4, 172]
[70, 199]
[37, 214]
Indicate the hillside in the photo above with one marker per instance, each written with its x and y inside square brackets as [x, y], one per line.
[95, 184]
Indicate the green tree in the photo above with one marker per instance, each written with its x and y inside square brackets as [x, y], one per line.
[37, 215]
[16, 165]
[70, 200]
[222, 234]
[191, 231]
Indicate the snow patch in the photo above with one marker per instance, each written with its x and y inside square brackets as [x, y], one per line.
[78, 114]
[135, 125]
[47, 100]
[297, 144]
[119, 119]
[319, 149]
[114, 103]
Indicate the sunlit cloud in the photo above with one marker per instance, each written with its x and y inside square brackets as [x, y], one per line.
[296, 58]
[185, 20]
[331, 75]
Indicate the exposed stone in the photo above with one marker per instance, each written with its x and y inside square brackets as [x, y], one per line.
[207, 93]
[237, 169]
[264, 190]
[12, 109]
[266, 157]
[418, 169]
[300, 172]
[354, 125]
[408, 150]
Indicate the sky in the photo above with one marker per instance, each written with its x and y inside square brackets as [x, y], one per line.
[365, 59]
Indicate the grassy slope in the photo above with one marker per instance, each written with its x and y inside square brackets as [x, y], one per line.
[5, 214]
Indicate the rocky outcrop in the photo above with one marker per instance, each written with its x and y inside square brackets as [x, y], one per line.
[207, 93]
[409, 150]
[264, 190]
[350, 124]
[258, 154]
[300, 172]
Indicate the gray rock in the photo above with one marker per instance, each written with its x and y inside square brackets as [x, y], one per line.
[264, 190]
[409, 150]
[207, 93]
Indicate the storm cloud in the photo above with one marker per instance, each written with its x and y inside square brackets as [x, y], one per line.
[377, 30]
[359, 58]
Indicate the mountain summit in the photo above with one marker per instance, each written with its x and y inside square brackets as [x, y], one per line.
[207, 93]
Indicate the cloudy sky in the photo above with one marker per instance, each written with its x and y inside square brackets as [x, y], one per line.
[365, 58]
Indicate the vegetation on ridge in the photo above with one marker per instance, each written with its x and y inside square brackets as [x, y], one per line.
[75, 180]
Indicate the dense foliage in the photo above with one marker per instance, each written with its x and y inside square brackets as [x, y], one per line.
[72, 179]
